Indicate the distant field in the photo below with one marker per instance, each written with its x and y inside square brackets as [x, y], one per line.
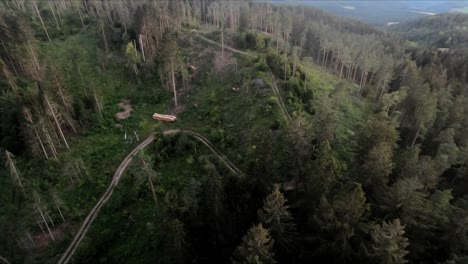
[425, 13]
[380, 13]
[349, 7]
[461, 9]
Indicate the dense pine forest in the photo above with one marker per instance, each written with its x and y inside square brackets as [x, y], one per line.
[301, 137]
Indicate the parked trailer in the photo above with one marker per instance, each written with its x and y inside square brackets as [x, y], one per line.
[166, 118]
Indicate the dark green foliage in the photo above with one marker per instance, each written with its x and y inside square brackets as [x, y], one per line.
[251, 40]
[389, 243]
[256, 247]
[275, 216]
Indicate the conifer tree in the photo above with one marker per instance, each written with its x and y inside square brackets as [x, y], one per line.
[389, 243]
[275, 216]
[176, 240]
[172, 62]
[256, 247]
[337, 217]
[132, 57]
[325, 171]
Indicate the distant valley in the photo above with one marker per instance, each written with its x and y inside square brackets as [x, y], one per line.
[383, 13]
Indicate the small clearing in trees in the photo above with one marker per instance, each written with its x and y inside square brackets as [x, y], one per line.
[127, 107]
[42, 240]
[222, 63]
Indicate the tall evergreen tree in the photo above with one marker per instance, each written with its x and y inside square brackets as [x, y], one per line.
[256, 247]
[275, 216]
[389, 243]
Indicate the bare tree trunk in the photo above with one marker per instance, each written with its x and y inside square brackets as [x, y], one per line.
[381, 93]
[360, 82]
[155, 197]
[98, 104]
[34, 56]
[51, 124]
[371, 77]
[105, 40]
[40, 226]
[56, 122]
[341, 70]
[285, 62]
[62, 97]
[51, 143]
[277, 46]
[9, 58]
[81, 78]
[326, 58]
[173, 84]
[28, 235]
[135, 70]
[40, 142]
[53, 14]
[60, 211]
[13, 168]
[81, 17]
[222, 41]
[231, 16]
[365, 78]
[294, 67]
[355, 73]
[70, 122]
[142, 48]
[49, 218]
[40, 18]
[416, 135]
[45, 222]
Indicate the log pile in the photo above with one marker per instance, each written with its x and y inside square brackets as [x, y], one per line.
[166, 118]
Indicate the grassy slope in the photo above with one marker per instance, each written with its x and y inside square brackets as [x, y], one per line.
[228, 118]
[103, 146]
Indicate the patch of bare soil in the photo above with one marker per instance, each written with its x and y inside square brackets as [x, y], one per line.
[205, 52]
[42, 240]
[222, 63]
[127, 109]
[177, 110]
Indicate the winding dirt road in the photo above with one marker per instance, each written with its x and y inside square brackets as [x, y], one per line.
[215, 151]
[116, 178]
[102, 201]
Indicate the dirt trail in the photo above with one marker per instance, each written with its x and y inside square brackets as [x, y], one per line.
[102, 201]
[278, 95]
[215, 151]
[226, 47]
[127, 109]
[116, 178]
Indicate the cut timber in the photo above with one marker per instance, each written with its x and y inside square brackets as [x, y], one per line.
[167, 118]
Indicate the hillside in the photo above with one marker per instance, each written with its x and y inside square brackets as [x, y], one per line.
[439, 39]
[448, 30]
[383, 13]
[300, 136]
